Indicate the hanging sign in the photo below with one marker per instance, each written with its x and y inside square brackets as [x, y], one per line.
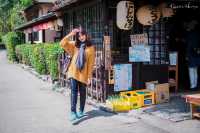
[107, 52]
[125, 15]
[139, 39]
[139, 53]
[148, 15]
[122, 77]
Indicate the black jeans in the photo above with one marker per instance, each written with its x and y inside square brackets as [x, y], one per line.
[76, 87]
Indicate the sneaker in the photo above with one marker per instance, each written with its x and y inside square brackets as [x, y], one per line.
[73, 116]
[80, 114]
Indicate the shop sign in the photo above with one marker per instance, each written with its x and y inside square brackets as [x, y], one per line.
[148, 15]
[43, 26]
[139, 53]
[107, 52]
[125, 15]
[139, 39]
[122, 77]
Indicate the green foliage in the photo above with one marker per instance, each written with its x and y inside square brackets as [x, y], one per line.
[1, 35]
[11, 39]
[26, 3]
[16, 18]
[39, 60]
[10, 14]
[52, 52]
[24, 53]
[43, 57]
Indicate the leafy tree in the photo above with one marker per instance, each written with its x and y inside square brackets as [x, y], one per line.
[26, 3]
[10, 16]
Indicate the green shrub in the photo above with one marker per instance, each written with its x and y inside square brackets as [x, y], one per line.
[52, 52]
[39, 59]
[24, 53]
[43, 57]
[11, 39]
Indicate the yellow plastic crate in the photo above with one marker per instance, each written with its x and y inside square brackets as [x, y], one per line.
[132, 97]
[146, 97]
[141, 97]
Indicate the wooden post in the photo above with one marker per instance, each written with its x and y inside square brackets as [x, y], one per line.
[31, 37]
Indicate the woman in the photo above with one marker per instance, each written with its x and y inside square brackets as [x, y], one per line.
[80, 69]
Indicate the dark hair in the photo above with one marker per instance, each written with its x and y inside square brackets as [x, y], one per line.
[87, 41]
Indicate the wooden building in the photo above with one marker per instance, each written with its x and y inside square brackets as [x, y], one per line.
[41, 24]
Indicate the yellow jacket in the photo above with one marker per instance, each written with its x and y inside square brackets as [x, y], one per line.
[73, 72]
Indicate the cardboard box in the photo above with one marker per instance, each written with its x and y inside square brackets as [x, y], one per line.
[161, 91]
[151, 85]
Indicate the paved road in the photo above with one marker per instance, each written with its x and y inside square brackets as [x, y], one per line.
[28, 105]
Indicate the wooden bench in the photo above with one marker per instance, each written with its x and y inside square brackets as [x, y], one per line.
[194, 101]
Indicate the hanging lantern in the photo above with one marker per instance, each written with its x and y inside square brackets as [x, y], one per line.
[125, 15]
[59, 22]
[35, 28]
[148, 15]
[166, 11]
[29, 30]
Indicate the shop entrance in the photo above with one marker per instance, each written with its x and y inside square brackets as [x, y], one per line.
[177, 42]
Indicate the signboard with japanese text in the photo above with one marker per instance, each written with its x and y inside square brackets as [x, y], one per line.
[122, 77]
[125, 15]
[139, 39]
[107, 52]
[139, 53]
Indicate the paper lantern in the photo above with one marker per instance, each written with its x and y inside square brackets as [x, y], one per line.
[29, 30]
[148, 15]
[35, 28]
[125, 15]
[166, 11]
[59, 22]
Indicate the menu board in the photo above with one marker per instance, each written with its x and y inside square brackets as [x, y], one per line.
[122, 77]
[139, 53]
[139, 39]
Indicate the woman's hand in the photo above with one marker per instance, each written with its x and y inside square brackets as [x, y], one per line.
[72, 33]
[89, 82]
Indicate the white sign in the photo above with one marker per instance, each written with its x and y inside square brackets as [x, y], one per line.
[122, 77]
[139, 39]
[125, 15]
[139, 53]
[173, 58]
